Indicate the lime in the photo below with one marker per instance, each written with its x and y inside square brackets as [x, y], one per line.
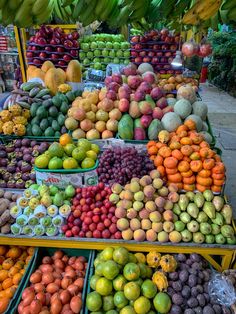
[108, 303]
[91, 154]
[110, 270]
[128, 310]
[131, 271]
[70, 163]
[93, 281]
[119, 283]
[121, 255]
[107, 253]
[79, 153]
[95, 148]
[120, 300]
[42, 161]
[104, 286]
[132, 258]
[87, 163]
[55, 163]
[149, 289]
[68, 148]
[94, 301]
[142, 305]
[56, 149]
[98, 269]
[162, 302]
[83, 143]
[132, 290]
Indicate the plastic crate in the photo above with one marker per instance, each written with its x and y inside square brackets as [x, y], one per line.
[22, 283]
[213, 143]
[35, 138]
[91, 273]
[49, 251]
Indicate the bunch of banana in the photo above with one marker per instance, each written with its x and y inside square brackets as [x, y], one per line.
[140, 9]
[63, 10]
[202, 10]
[159, 9]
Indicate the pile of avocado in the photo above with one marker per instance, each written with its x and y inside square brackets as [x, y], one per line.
[48, 117]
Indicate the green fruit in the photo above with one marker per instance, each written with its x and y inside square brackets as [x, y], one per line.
[56, 149]
[162, 302]
[87, 163]
[119, 283]
[132, 290]
[61, 119]
[44, 124]
[142, 305]
[104, 286]
[42, 161]
[149, 289]
[120, 300]
[93, 281]
[94, 301]
[83, 143]
[41, 112]
[53, 112]
[98, 269]
[55, 125]
[108, 303]
[79, 154]
[110, 269]
[49, 132]
[55, 163]
[121, 255]
[107, 253]
[64, 108]
[127, 310]
[68, 148]
[95, 148]
[36, 131]
[70, 191]
[131, 271]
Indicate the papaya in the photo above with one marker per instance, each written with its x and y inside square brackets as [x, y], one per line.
[154, 128]
[126, 127]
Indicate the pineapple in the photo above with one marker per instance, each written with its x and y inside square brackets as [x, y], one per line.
[19, 129]
[19, 120]
[15, 110]
[8, 128]
[5, 115]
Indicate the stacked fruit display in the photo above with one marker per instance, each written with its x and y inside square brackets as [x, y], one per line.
[92, 214]
[156, 47]
[55, 286]
[7, 201]
[14, 120]
[174, 82]
[41, 210]
[100, 49]
[92, 116]
[121, 164]
[186, 159]
[54, 45]
[16, 160]
[147, 210]
[66, 155]
[14, 261]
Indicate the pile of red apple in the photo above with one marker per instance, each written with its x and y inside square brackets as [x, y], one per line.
[156, 47]
[93, 215]
[52, 44]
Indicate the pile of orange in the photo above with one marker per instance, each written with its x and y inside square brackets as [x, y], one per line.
[183, 157]
[13, 262]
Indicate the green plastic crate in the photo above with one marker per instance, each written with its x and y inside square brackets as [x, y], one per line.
[67, 170]
[91, 273]
[35, 138]
[213, 143]
[22, 283]
[41, 252]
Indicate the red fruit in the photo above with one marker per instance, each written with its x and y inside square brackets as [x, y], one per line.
[97, 210]
[103, 193]
[104, 210]
[107, 222]
[78, 190]
[75, 202]
[83, 215]
[68, 234]
[76, 213]
[82, 201]
[92, 206]
[64, 228]
[114, 219]
[106, 234]
[92, 226]
[89, 234]
[81, 234]
[110, 215]
[100, 226]
[98, 197]
[77, 222]
[108, 204]
[103, 217]
[85, 208]
[75, 230]
[96, 234]
[85, 228]
[96, 218]
[113, 228]
[98, 204]
[70, 218]
[118, 235]
[101, 185]
[87, 220]
[70, 225]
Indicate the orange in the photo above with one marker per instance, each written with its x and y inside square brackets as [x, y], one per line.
[12, 271]
[65, 139]
[7, 283]
[17, 278]
[3, 274]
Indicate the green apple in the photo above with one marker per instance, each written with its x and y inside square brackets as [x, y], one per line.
[51, 231]
[93, 45]
[107, 60]
[105, 53]
[109, 45]
[126, 61]
[96, 60]
[112, 53]
[125, 45]
[119, 53]
[116, 45]
[97, 52]
[101, 44]
[86, 39]
[85, 46]
[46, 221]
[86, 61]
[39, 230]
[116, 60]
[90, 54]
[126, 54]
[82, 55]
[97, 66]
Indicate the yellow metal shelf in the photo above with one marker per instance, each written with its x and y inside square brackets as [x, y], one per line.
[220, 257]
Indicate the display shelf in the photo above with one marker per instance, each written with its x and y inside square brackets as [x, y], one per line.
[220, 256]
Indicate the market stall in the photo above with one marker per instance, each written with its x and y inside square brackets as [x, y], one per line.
[109, 169]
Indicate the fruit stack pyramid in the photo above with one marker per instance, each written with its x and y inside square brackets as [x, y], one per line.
[100, 49]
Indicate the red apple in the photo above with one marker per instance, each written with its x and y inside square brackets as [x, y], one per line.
[43, 55]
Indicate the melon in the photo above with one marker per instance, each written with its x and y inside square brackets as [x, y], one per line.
[183, 108]
[197, 120]
[207, 137]
[171, 101]
[187, 92]
[171, 121]
[145, 67]
[200, 109]
[204, 126]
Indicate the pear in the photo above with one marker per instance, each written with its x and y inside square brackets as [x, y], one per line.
[227, 213]
[192, 210]
[209, 209]
[218, 201]
[208, 194]
[199, 199]
[215, 229]
[220, 239]
[227, 231]
[202, 217]
[183, 202]
[198, 237]
[210, 239]
[219, 220]
[176, 209]
[205, 228]
[190, 195]
[58, 199]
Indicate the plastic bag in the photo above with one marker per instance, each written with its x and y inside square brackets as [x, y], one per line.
[221, 290]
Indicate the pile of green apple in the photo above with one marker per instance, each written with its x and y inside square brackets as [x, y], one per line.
[98, 50]
[41, 210]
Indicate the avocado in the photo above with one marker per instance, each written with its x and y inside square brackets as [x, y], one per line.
[44, 124]
[36, 131]
[47, 103]
[56, 100]
[49, 131]
[70, 96]
[64, 107]
[53, 112]
[29, 129]
[57, 134]
[50, 119]
[61, 119]
[78, 93]
[63, 98]
[33, 109]
[35, 120]
[41, 112]
[55, 125]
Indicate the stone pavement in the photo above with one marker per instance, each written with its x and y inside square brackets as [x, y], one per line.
[222, 116]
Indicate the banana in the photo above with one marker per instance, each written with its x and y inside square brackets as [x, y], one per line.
[228, 5]
[108, 10]
[44, 16]
[205, 15]
[78, 9]
[100, 7]
[39, 6]
[232, 14]
[202, 5]
[14, 4]
[2, 3]
[139, 12]
[65, 3]
[180, 7]
[123, 15]
[190, 18]
[88, 13]
[23, 17]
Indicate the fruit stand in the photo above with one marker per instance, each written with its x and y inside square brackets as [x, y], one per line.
[111, 183]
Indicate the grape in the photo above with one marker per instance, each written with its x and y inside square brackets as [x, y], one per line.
[122, 164]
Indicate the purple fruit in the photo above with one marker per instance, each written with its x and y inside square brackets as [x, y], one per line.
[195, 257]
[175, 309]
[174, 275]
[183, 275]
[192, 281]
[3, 184]
[20, 184]
[186, 292]
[177, 299]
[192, 302]
[26, 142]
